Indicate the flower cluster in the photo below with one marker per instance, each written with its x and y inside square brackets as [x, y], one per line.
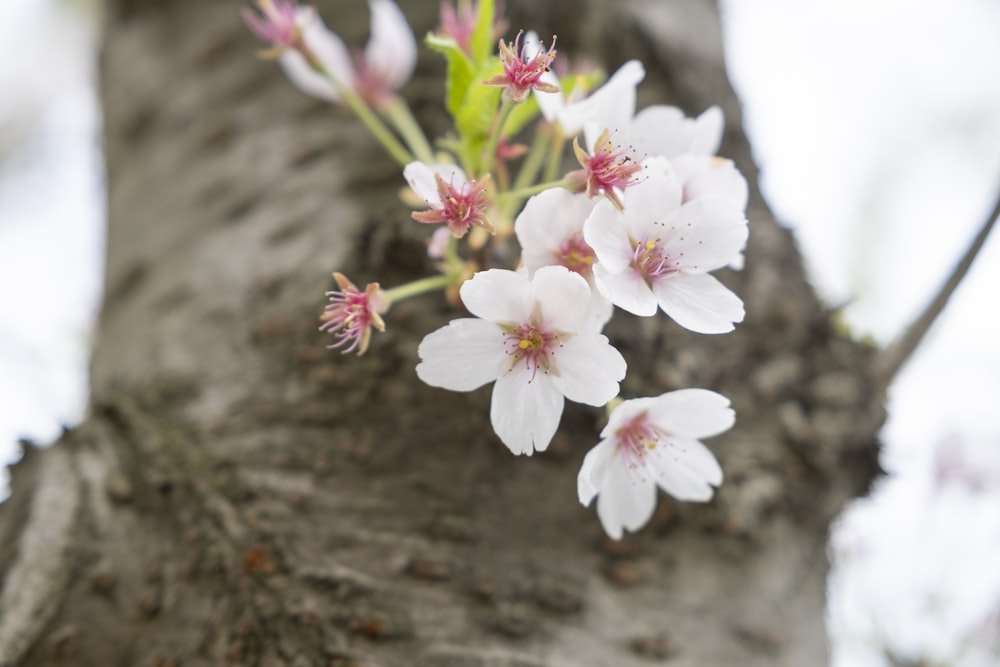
[540, 259]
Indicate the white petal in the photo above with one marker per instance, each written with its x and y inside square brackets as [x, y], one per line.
[659, 130]
[625, 411]
[305, 78]
[654, 199]
[605, 232]
[391, 51]
[696, 458]
[498, 295]
[692, 413]
[627, 290]
[595, 464]
[708, 234]
[681, 477]
[562, 297]
[525, 410]
[665, 130]
[698, 302]
[588, 369]
[548, 219]
[462, 356]
[709, 177]
[609, 107]
[328, 48]
[599, 310]
[421, 178]
[627, 499]
[706, 135]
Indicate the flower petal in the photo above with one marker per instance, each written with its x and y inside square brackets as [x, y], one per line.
[462, 356]
[709, 234]
[626, 500]
[709, 177]
[590, 480]
[525, 410]
[654, 199]
[692, 413]
[498, 295]
[391, 51]
[605, 232]
[548, 219]
[561, 296]
[588, 369]
[627, 290]
[610, 107]
[421, 178]
[697, 302]
[681, 479]
[697, 458]
[328, 48]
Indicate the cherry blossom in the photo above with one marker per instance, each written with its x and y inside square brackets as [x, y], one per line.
[351, 314]
[276, 24]
[550, 231]
[649, 443]
[612, 105]
[659, 251]
[531, 339]
[523, 69]
[451, 197]
[609, 170]
[376, 74]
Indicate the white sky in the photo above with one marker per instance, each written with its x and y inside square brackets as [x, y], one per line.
[877, 127]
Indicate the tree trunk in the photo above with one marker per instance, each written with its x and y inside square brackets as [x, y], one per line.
[239, 495]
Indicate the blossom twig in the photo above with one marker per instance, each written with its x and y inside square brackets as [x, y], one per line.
[893, 357]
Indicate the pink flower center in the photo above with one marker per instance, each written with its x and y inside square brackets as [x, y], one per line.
[611, 166]
[276, 23]
[636, 438]
[576, 255]
[651, 260]
[531, 345]
[462, 206]
[521, 73]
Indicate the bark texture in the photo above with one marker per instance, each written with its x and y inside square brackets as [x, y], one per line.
[241, 496]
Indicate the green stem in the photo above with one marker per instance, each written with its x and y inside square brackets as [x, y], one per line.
[399, 114]
[428, 284]
[524, 193]
[533, 160]
[555, 154]
[489, 155]
[361, 109]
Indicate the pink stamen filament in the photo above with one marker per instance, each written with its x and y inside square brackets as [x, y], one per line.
[576, 255]
[531, 345]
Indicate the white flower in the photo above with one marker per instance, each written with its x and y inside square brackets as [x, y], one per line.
[658, 252]
[652, 442]
[550, 231]
[613, 103]
[533, 341]
[387, 63]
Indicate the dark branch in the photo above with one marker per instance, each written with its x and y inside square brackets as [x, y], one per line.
[900, 350]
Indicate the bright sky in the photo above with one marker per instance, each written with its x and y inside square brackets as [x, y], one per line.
[877, 127]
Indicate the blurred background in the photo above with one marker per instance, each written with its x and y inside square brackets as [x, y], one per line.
[876, 125]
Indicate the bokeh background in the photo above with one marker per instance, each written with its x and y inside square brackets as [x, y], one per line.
[876, 125]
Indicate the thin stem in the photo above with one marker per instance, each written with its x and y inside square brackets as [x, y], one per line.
[399, 114]
[428, 284]
[524, 193]
[489, 155]
[533, 160]
[555, 153]
[361, 109]
[892, 358]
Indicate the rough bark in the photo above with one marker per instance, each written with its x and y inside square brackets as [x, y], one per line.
[240, 495]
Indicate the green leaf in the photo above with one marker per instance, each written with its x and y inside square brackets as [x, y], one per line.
[481, 42]
[477, 113]
[461, 72]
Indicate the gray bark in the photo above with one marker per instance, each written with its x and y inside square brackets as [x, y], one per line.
[240, 495]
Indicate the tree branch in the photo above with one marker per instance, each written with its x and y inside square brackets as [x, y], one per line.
[892, 358]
